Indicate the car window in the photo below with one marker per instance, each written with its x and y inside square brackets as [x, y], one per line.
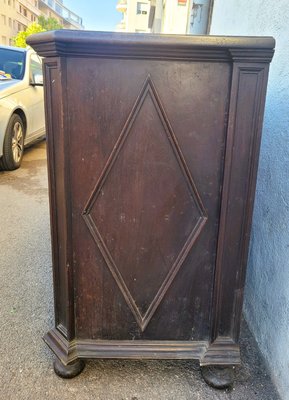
[12, 63]
[35, 66]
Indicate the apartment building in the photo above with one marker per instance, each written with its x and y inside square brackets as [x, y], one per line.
[57, 10]
[165, 16]
[16, 15]
[135, 15]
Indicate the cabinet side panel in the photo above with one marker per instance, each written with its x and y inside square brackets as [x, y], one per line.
[242, 151]
[144, 245]
[58, 194]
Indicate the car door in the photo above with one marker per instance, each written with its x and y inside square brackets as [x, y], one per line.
[35, 98]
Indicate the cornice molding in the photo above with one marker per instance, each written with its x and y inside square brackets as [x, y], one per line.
[148, 46]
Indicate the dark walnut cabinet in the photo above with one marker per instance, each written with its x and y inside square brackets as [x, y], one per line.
[153, 146]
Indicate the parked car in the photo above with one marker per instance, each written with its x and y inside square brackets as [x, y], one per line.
[21, 103]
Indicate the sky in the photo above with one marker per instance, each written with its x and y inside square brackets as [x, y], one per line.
[98, 15]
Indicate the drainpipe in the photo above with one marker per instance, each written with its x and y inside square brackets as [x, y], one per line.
[157, 28]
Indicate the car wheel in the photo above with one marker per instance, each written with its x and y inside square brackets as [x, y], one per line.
[13, 146]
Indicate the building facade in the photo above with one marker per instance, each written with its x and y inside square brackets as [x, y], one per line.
[135, 15]
[165, 16]
[16, 15]
[56, 9]
[169, 16]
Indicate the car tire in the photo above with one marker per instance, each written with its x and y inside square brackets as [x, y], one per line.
[13, 145]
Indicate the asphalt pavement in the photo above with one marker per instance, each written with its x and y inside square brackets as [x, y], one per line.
[26, 314]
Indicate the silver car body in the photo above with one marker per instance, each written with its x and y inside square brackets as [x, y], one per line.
[25, 99]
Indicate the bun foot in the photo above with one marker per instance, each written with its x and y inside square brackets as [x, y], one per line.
[68, 371]
[219, 377]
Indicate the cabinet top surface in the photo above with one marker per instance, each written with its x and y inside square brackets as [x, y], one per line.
[137, 45]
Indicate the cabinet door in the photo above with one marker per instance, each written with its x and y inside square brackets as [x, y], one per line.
[146, 156]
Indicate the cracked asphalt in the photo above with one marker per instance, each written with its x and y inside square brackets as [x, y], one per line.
[26, 313]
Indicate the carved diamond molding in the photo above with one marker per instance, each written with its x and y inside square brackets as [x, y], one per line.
[196, 217]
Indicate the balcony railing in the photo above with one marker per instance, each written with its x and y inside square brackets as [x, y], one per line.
[63, 12]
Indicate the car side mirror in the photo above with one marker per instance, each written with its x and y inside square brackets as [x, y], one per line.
[37, 80]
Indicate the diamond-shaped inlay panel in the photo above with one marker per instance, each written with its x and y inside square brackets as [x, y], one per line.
[145, 212]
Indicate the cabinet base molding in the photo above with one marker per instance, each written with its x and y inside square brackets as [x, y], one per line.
[223, 353]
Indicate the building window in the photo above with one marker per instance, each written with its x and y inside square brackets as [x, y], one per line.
[58, 9]
[19, 27]
[10, 22]
[3, 19]
[11, 42]
[20, 9]
[141, 8]
[3, 39]
[9, 2]
[25, 12]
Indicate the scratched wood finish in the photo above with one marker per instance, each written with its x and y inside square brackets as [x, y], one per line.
[153, 148]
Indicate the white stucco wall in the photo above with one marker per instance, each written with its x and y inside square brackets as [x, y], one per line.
[267, 287]
[175, 17]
